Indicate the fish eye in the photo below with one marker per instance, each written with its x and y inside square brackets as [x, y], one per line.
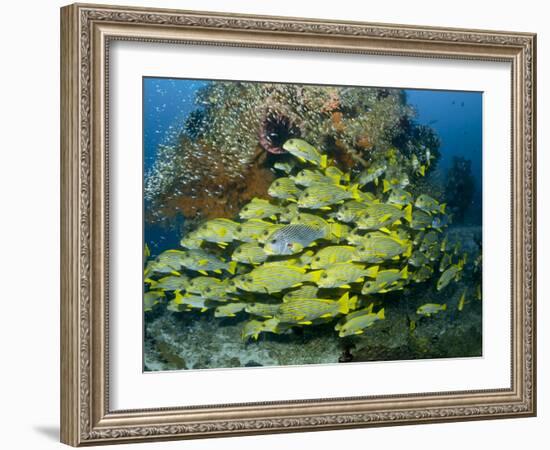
[265, 233]
[250, 280]
[208, 289]
[306, 194]
[368, 284]
[239, 229]
[324, 275]
[317, 258]
[274, 241]
[368, 236]
[245, 208]
[289, 245]
[239, 250]
[277, 183]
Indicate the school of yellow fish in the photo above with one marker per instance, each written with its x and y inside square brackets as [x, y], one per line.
[326, 247]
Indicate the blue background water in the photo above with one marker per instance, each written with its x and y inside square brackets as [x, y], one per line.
[456, 116]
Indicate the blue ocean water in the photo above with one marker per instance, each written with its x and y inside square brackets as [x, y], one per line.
[166, 104]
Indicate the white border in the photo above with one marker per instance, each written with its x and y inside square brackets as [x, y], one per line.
[132, 389]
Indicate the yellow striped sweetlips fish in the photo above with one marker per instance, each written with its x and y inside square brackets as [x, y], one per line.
[305, 310]
[273, 279]
[291, 239]
[304, 151]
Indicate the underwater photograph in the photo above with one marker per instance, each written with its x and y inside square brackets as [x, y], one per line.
[292, 224]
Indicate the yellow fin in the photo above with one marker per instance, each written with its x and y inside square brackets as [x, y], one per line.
[408, 213]
[203, 272]
[305, 322]
[380, 314]
[387, 186]
[323, 161]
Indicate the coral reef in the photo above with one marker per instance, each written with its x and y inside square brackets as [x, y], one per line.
[224, 155]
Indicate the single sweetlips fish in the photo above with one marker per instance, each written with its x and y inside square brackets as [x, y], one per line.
[429, 204]
[351, 210]
[218, 231]
[384, 246]
[285, 166]
[331, 229]
[307, 178]
[156, 267]
[272, 279]
[371, 175]
[208, 287]
[249, 253]
[229, 309]
[382, 216]
[170, 283]
[191, 241]
[440, 222]
[253, 328]
[266, 310]
[172, 258]
[304, 291]
[291, 239]
[204, 262]
[323, 196]
[357, 322]
[433, 253]
[419, 169]
[399, 197]
[284, 188]
[251, 230]
[418, 259]
[424, 273]
[342, 274]
[189, 302]
[332, 255]
[259, 208]
[304, 311]
[430, 308]
[151, 298]
[420, 220]
[451, 273]
[396, 183]
[386, 281]
[305, 152]
[430, 239]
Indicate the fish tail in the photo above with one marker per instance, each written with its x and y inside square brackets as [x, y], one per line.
[178, 297]
[405, 272]
[408, 213]
[380, 314]
[372, 271]
[344, 304]
[314, 276]
[354, 191]
[444, 307]
[442, 208]
[231, 267]
[353, 302]
[324, 161]
[387, 186]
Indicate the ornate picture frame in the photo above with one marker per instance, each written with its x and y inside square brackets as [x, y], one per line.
[87, 32]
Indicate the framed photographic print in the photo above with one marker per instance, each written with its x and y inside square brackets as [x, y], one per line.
[276, 224]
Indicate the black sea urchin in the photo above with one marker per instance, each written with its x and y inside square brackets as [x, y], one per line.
[275, 130]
